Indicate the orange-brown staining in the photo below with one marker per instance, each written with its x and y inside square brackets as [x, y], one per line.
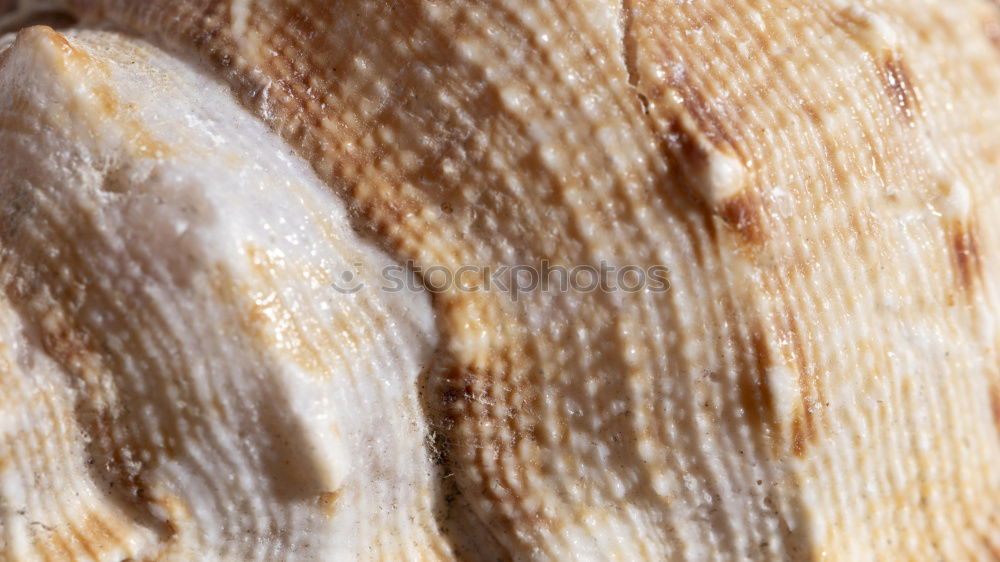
[716, 182]
[899, 86]
[992, 549]
[327, 502]
[700, 146]
[990, 541]
[87, 536]
[106, 99]
[69, 60]
[687, 150]
[51, 544]
[139, 139]
[270, 321]
[485, 398]
[175, 509]
[803, 431]
[876, 33]
[109, 106]
[75, 538]
[56, 38]
[45, 34]
[115, 456]
[755, 396]
[744, 214]
[967, 255]
[102, 104]
[100, 534]
[804, 427]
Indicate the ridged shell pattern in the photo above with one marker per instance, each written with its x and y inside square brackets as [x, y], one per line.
[822, 379]
[180, 379]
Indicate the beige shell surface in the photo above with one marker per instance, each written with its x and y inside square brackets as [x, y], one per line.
[822, 378]
[180, 378]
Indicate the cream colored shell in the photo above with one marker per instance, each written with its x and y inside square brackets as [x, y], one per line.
[180, 380]
[821, 381]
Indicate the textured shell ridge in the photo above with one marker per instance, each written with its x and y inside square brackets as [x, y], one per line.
[821, 380]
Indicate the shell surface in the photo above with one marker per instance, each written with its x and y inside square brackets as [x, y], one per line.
[821, 379]
[180, 378]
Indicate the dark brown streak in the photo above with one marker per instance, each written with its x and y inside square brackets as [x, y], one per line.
[754, 392]
[967, 255]
[742, 213]
[803, 425]
[899, 86]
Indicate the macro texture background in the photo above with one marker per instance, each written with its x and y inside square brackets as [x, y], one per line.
[822, 379]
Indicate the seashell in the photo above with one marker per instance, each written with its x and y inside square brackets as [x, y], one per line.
[817, 377]
[180, 377]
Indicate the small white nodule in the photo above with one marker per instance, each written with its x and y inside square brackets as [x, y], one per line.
[724, 177]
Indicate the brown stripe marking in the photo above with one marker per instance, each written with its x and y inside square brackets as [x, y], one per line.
[990, 544]
[697, 139]
[793, 347]
[967, 254]
[803, 430]
[899, 85]
[328, 502]
[753, 390]
[691, 152]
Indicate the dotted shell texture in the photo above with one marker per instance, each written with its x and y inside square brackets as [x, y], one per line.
[822, 378]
